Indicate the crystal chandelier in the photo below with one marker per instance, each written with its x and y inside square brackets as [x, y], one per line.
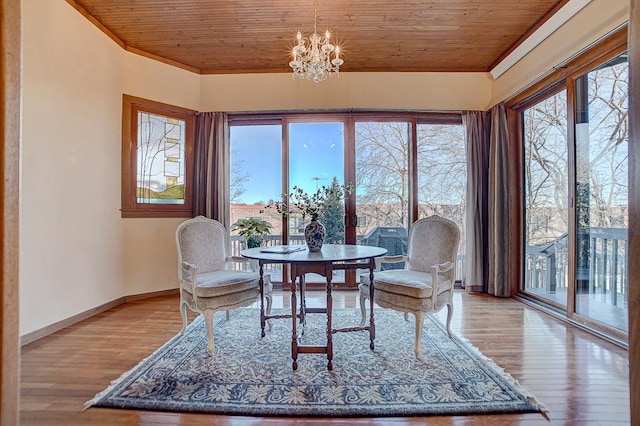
[312, 56]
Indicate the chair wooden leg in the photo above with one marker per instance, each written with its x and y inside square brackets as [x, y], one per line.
[208, 321]
[449, 316]
[419, 322]
[363, 308]
[183, 313]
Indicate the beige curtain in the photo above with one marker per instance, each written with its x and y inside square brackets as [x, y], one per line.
[211, 168]
[487, 251]
[500, 256]
[476, 223]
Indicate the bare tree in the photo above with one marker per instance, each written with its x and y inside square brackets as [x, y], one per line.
[239, 177]
[442, 171]
[608, 140]
[545, 129]
[601, 163]
[382, 176]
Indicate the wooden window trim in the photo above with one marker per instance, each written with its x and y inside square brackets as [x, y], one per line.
[130, 208]
[252, 118]
[607, 49]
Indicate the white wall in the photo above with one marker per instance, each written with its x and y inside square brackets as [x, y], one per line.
[149, 246]
[76, 252]
[70, 232]
[392, 91]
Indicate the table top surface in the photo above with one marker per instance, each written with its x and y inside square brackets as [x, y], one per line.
[328, 253]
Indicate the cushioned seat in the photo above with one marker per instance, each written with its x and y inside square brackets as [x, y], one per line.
[411, 283]
[219, 283]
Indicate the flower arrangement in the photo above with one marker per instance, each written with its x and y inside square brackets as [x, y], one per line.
[312, 205]
[252, 230]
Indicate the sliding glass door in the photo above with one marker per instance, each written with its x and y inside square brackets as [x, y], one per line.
[316, 159]
[575, 164]
[442, 177]
[382, 185]
[546, 181]
[401, 170]
[255, 180]
[602, 204]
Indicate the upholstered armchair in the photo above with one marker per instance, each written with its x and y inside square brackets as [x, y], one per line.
[425, 285]
[208, 283]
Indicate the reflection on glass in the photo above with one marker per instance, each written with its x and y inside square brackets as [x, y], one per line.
[545, 198]
[602, 193]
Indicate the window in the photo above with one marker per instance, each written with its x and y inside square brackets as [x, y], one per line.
[442, 176]
[157, 146]
[545, 196]
[602, 193]
[403, 166]
[573, 127]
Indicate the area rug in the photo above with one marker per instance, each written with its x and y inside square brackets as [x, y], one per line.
[249, 375]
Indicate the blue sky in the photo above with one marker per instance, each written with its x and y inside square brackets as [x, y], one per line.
[316, 156]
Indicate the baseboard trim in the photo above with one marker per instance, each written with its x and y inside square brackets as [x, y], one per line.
[55, 327]
[144, 296]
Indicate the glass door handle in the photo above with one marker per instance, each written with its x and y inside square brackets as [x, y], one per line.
[350, 220]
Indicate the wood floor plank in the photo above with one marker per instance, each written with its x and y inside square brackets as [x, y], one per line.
[580, 378]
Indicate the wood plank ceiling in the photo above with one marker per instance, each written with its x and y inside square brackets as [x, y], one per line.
[249, 36]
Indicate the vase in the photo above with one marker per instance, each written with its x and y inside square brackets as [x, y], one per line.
[314, 234]
[253, 241]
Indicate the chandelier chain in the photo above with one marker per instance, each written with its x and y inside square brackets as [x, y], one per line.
[315, 16]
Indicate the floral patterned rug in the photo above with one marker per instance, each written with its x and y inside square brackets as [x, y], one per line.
[249, 375]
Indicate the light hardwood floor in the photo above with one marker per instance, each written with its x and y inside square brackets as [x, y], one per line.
[580, 378]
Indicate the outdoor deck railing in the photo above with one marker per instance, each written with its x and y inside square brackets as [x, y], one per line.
[237, 245]
[546, 267]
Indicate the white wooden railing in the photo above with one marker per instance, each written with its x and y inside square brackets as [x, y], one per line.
[546, 267]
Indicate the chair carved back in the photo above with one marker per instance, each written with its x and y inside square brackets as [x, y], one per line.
[203, 243]
[432, 240]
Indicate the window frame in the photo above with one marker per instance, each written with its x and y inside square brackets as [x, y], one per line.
[349, 118]
[130, 207]
[562, 77]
